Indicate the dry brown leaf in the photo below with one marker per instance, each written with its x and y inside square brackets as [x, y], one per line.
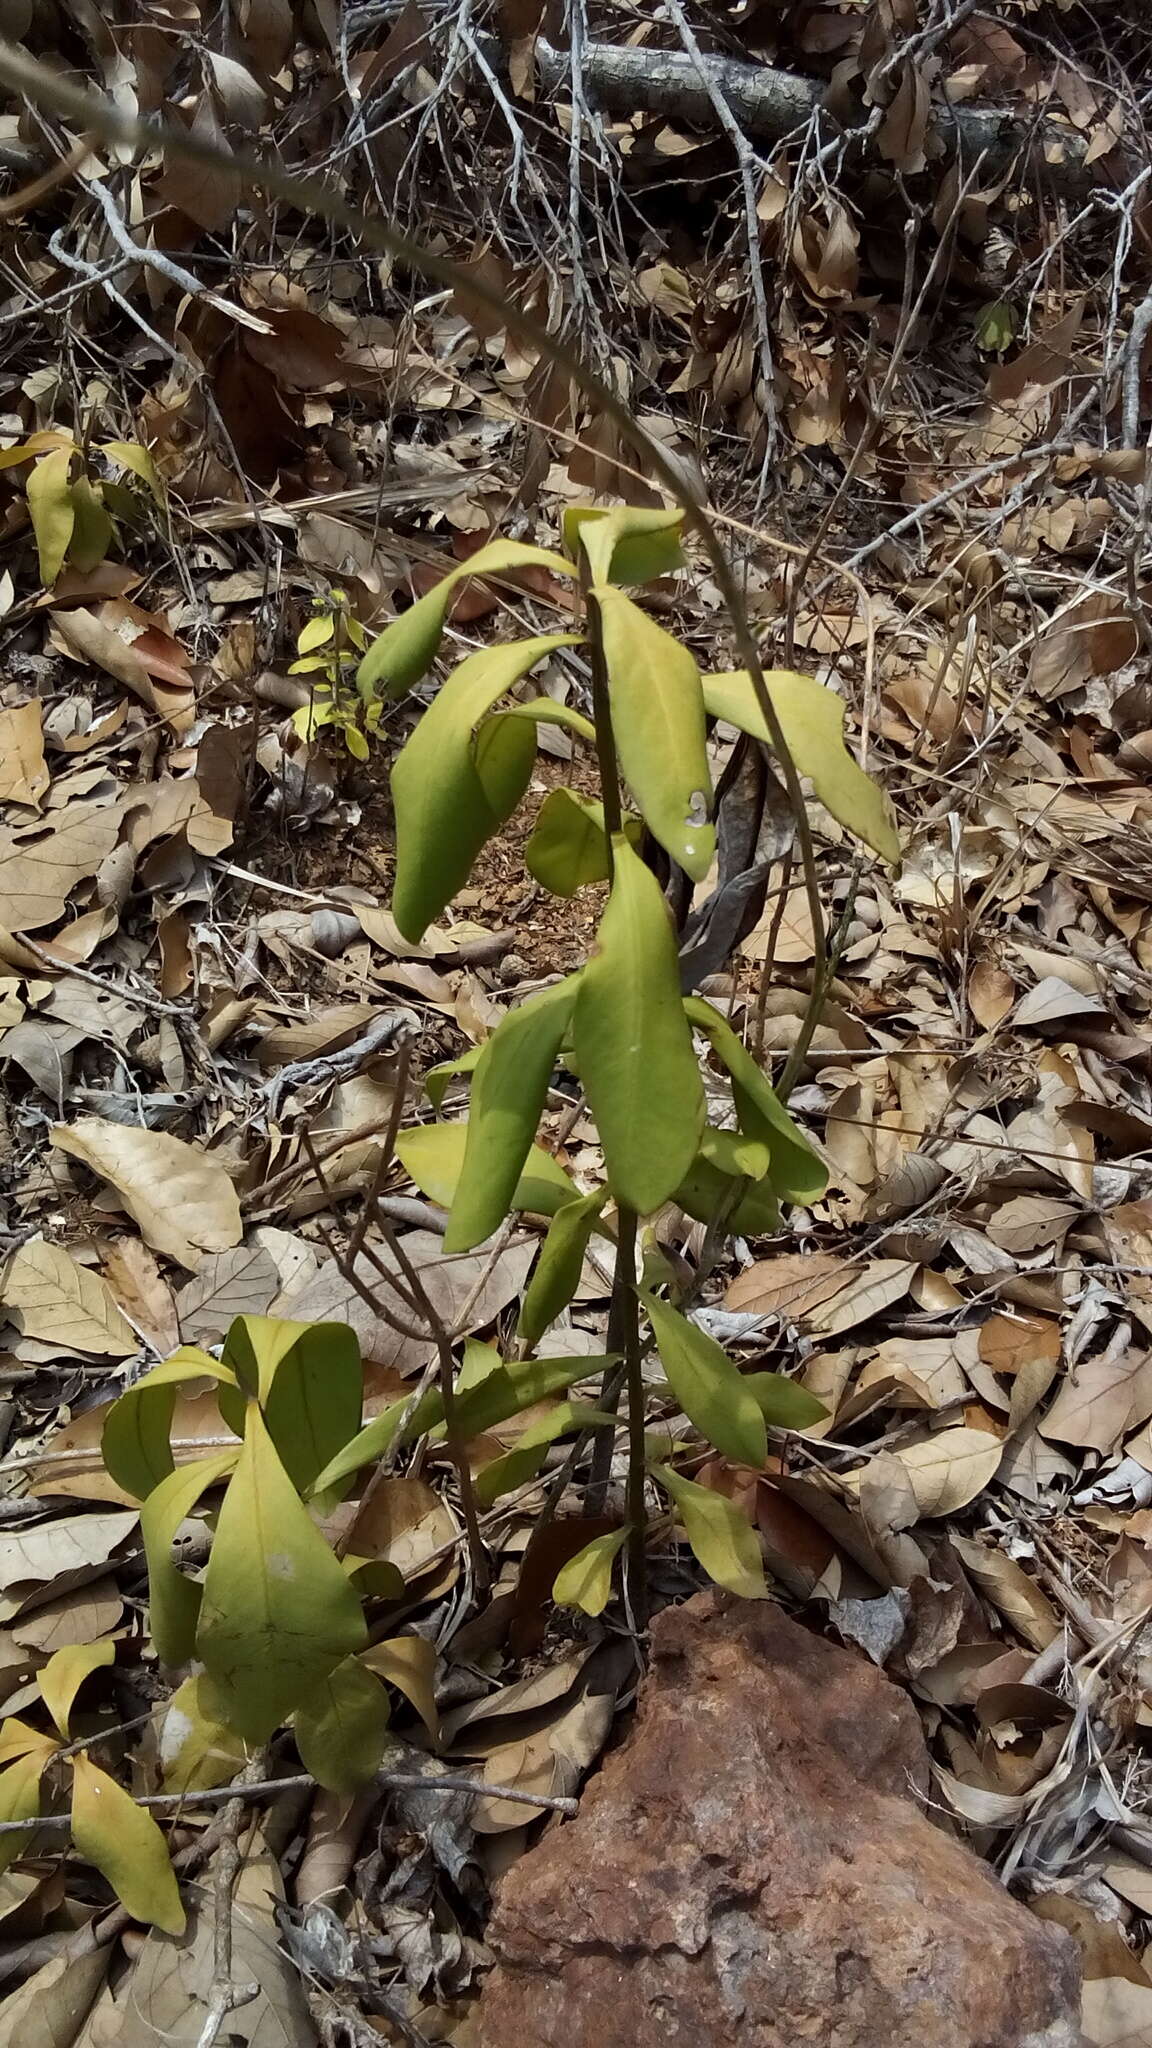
[183, 1202]
[64, 1304]
[1012, 1593]
[38, 875]
[991, 994]
[946, 1471]
[1009, 1343]
[33, 1556]
[48, 2009]
[240, 1282]
[143, 1293]
[24, 775]
[838, 1295]
[1101, 1400]
[403, 1522]
[1052, 1000]
[551, 1760]
[71, 1462]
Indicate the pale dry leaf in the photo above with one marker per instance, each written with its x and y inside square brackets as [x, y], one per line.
[240, 1282]
[948, 1470]
[143, 1293]
[33, 1556]
[551, 1760]
[1051, 1001]
[38, 875]
[403, 1522]
[47, 2010]
[64, 1304]
[24, 774]
[182, 1200]
[1016, 1597]
[1101, 1400]
[71, 1463]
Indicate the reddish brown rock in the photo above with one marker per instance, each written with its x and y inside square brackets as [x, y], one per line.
[754, 1867]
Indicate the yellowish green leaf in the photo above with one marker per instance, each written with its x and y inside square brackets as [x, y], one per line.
[91, 527]
[445, 807]
[708, 1386]
[278, 1613]
[52, 512]
[341, 1727]
[20, 1800]
[658, 721]
[309, 1382]
[406, 649]
[409, 1663]
[556, 1274]
[174, 1599]
[569, 846]
[135, 1442]
[315, 633]
[64, 1674]
[625, 544]
[433, 1154]
[509, 1088]
[197, 1747]
[586, 1580]
[632, 1043]
[125, 1844]
[131, 456]
[812, 721]
[722, 1539]
[796, 1172]
[522, 1462]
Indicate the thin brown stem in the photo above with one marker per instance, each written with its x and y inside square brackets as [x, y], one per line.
[637, 1562]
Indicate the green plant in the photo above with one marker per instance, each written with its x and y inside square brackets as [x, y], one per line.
[623, 1024]
[329, 647]
[72, 509]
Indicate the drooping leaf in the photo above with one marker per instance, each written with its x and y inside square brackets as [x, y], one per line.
[522, 1462]
[434, 1155]
[586, 1580]
[569, 846]
[796, 1172]
[18, 1739]
[135, 1442]
[812, 721]
[784, 1404]
[197, 1747]
[632, 1043]
[708, 1186]
[51, 511]
[174, 1599]
[309, 1382]
[341, 1728]
[131, 456]
[409, 1663]
[406, 649]
[444, 807]
[547, 711]
[556, 1274]
[20, 1800]
[438, 1078]
[278, 1613]
[64, 1674]
[503, 751]
[91, 527]
[721, 1537]
[125, 1844]
[625, 543]
[658, 720]
[509, 1088]
[707, 1385]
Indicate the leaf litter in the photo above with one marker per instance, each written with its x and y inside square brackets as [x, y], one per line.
[197, 934]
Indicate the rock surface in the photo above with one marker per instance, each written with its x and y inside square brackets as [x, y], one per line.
[753, 1866]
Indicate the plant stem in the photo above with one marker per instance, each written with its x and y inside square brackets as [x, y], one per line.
[637, 1559]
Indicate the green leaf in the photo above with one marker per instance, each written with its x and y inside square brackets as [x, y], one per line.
[556, 1275]
[658, 720]
[708, 1386]
[569, 845]
[996, 326]
[707, 1187]
[134, 1444]
[341, 1728]
[125, 1844]
[586, 1580]
[509, 1089]
[796, 1172]
[445, 808]
[503, 752]
[812, 721]
[433, 1155]
[278, 1613]
[309, 1382]
[407, 648]
[626, 544]
[91, 527]
[783, 1404]
[632, 1043]
[52, 512]
[174, 1599]
[316, 633]
[546, 711]
[20, 1800]
[436, 1080]
[131, 456]
[64, 1674]
[722, 1539]
[197, 1747]
[523, 1459]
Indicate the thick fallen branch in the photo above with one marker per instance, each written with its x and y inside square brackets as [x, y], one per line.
[771, 104]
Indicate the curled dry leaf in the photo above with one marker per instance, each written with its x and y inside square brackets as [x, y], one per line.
[182, 1200]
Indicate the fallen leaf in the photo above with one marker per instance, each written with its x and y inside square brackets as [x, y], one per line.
[1101, 1400]
[37, 876]
[820, 1292]
[32, 1556]
[945, 1471]
[183, 1202]
[64, 1304]
[24, 774]
[240, 1282]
